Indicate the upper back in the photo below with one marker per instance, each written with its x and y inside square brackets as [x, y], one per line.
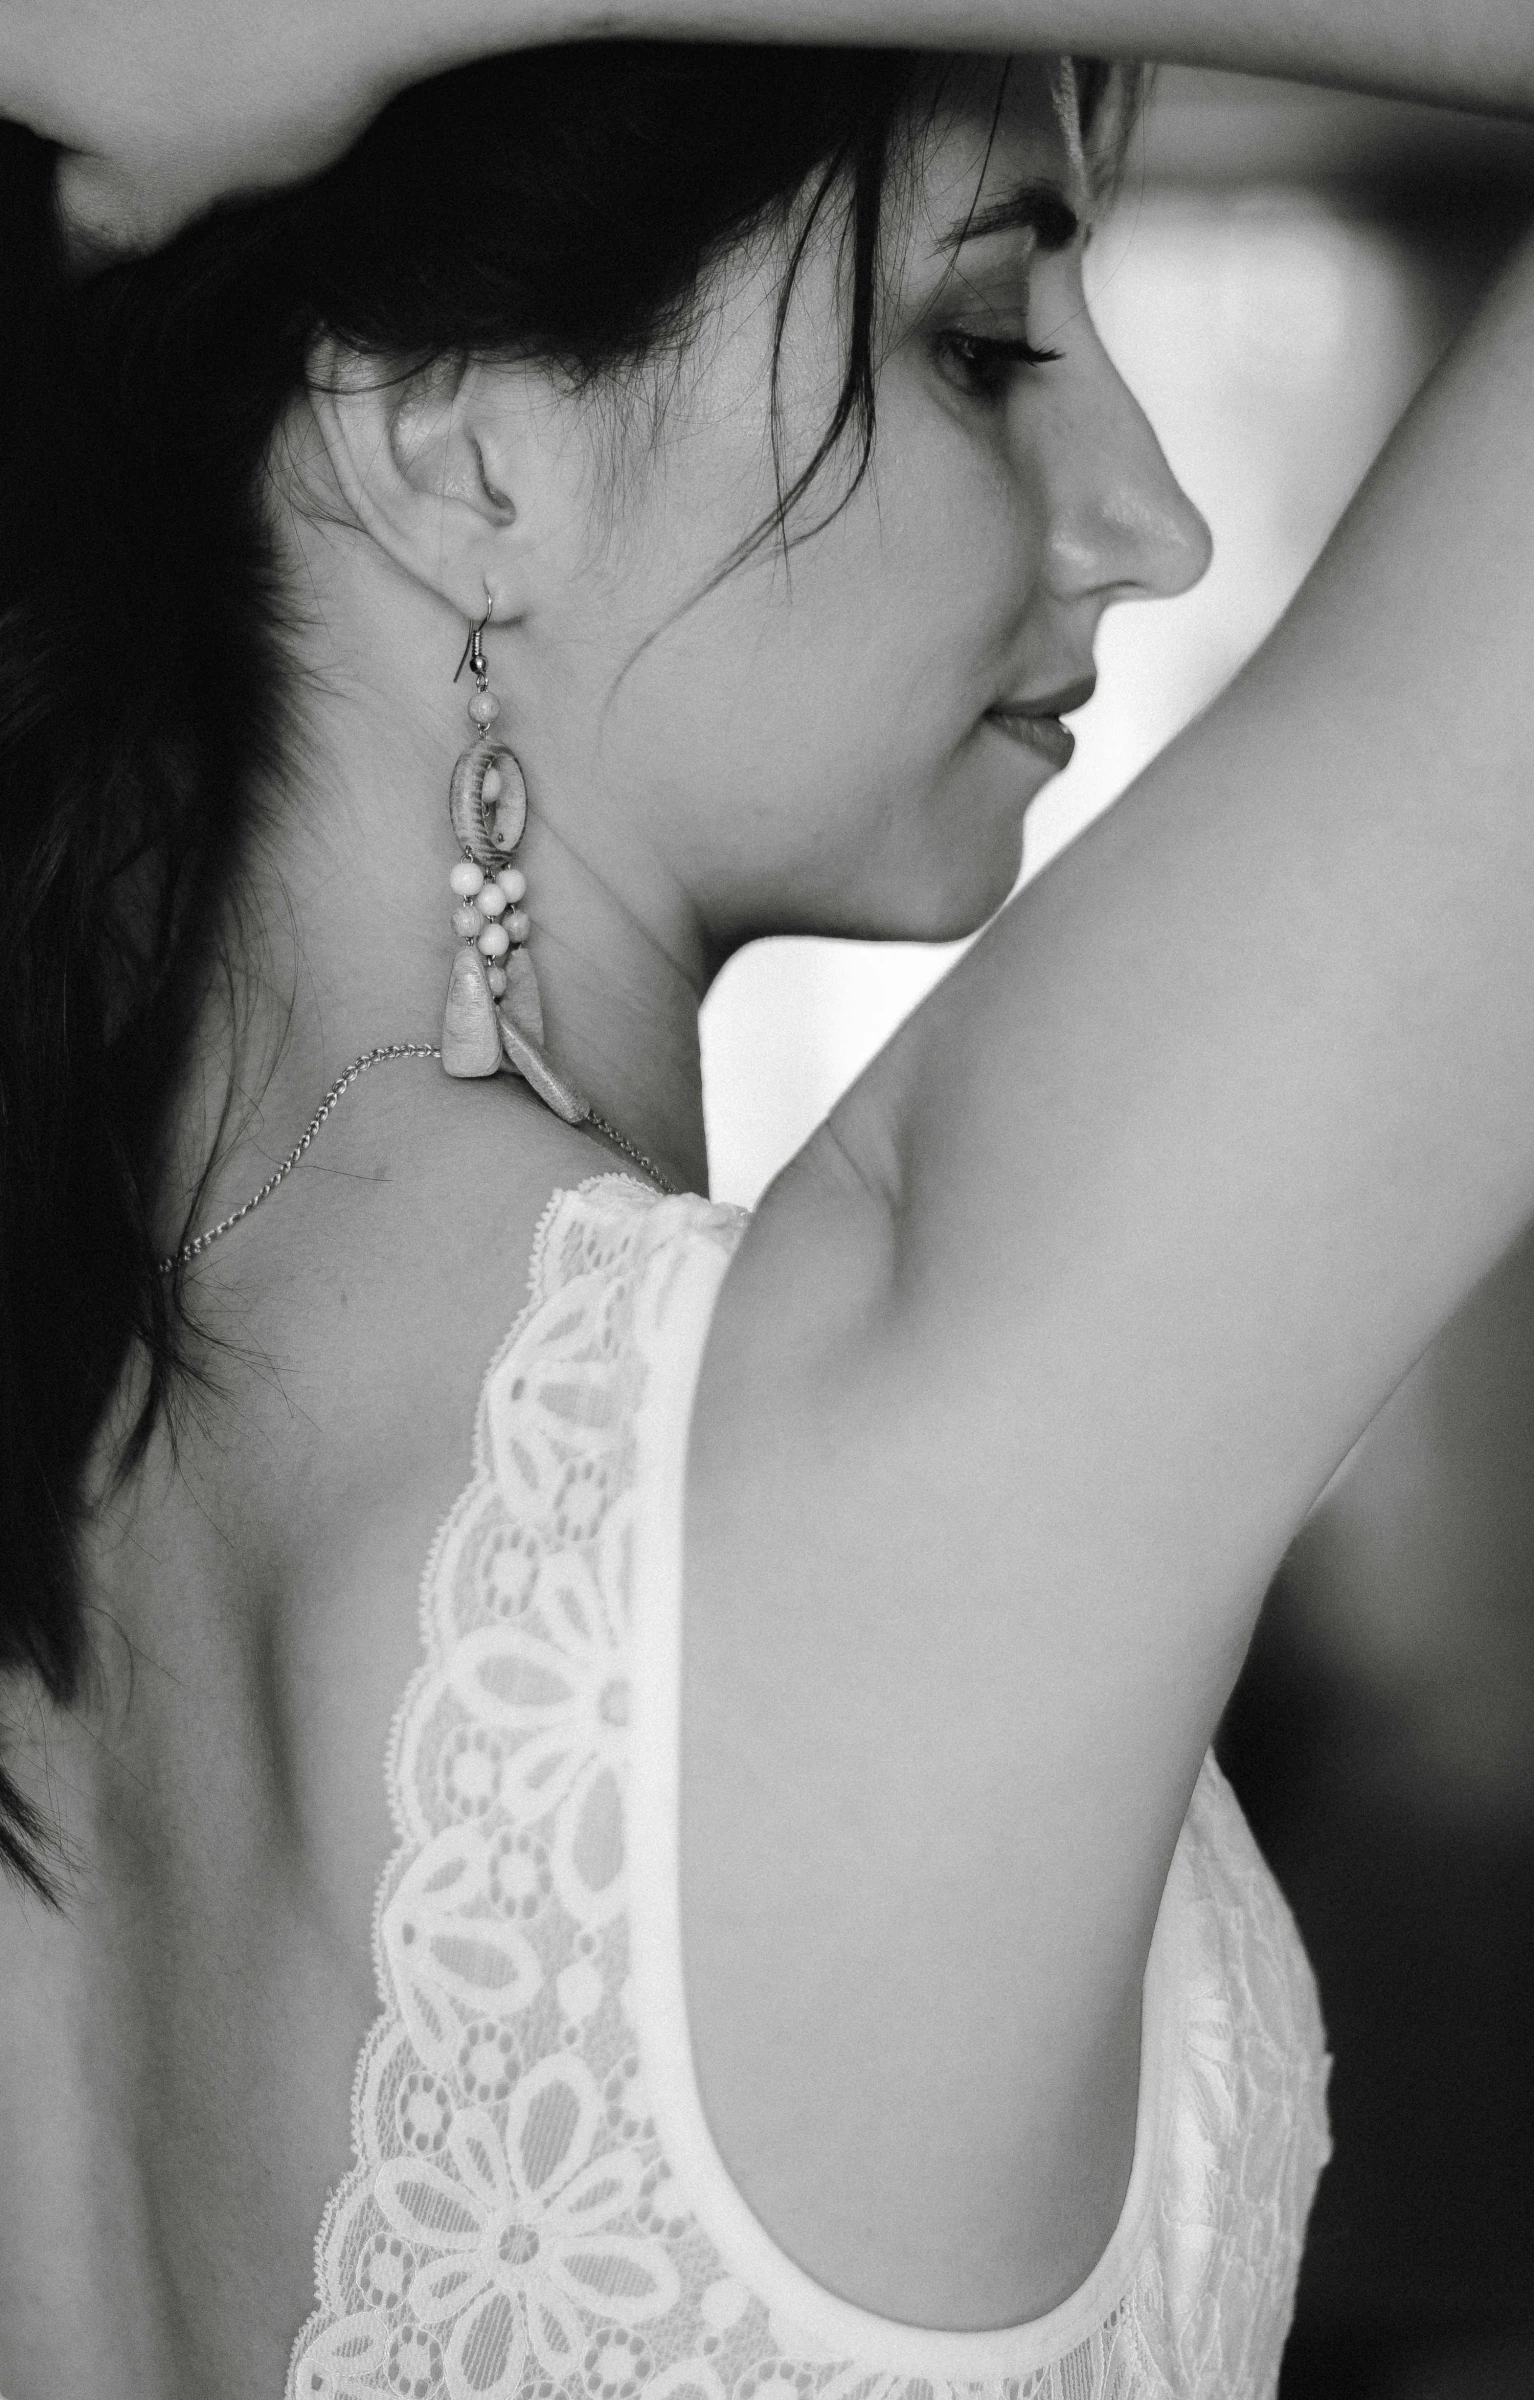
[185, 2038]
[179, 2037]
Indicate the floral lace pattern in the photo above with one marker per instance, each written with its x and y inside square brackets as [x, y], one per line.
[513, 2224]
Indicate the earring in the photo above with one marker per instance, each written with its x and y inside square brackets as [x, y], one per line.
[494, 1011]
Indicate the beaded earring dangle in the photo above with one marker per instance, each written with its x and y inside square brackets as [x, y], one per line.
[494, 1013]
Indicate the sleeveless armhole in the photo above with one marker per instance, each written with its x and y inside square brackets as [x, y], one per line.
[536, 2209]
[675, 1308]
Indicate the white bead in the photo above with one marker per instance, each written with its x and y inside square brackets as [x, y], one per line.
[517, 926]
[484, 708]
[466, 922]
[467, 879]
[496, 978]
[513, 883]
[490, 900]
[494, 942]
[490, 783]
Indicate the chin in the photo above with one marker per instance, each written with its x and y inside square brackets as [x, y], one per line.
[920, 893]
[966, 897]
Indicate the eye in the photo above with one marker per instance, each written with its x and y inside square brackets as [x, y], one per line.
[983, 364]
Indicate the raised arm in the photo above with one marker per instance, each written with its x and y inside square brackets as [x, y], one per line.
[1032, 1366]
[1480, 56]
[173, 104]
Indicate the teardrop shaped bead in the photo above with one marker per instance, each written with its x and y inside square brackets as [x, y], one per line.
[523, 1002]
[471, 1033]
[526, 1059]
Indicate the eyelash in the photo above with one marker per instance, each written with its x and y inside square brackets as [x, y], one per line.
[990, 361]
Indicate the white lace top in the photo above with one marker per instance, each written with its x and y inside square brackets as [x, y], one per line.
[536, 2207]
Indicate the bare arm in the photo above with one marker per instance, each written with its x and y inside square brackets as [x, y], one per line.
[1031, 1369]
[1480, 56]
[175, 103]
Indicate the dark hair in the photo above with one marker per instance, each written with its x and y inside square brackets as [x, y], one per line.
[561, 204]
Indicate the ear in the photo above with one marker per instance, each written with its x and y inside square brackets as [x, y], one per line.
[430, 463]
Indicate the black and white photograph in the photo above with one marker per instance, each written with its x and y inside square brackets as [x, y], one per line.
[766, 1200]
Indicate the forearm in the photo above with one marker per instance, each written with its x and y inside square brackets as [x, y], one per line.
[1478, 54]
[176, 103]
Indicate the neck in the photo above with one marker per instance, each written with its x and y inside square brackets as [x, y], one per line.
[620, 1004]
[348, 944]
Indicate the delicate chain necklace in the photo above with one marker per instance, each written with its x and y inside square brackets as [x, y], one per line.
[343, 1083]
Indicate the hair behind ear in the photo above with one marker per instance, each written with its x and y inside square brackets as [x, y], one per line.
[33, 523]
[557, 205]
[135, 693]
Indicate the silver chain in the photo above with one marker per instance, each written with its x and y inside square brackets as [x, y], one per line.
[611, 1134]
[342, 1085]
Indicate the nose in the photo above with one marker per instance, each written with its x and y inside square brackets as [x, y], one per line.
[1119, 524]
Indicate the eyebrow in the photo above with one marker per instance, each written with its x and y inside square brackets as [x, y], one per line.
[1040, 208]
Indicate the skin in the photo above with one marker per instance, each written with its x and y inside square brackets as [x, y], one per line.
[1028, 1370]
[229, 1818]
[167, 106]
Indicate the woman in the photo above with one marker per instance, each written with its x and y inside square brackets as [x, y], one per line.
[734, 424]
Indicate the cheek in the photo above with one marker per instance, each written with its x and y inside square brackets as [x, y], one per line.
[878, 647]
[891, 628]
[962, 532]
[810, 727]
[857, 807]
[810, 689]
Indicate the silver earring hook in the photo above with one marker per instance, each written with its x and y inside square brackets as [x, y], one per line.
[473, 655]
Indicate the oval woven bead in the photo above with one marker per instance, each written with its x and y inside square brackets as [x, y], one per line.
[487, 829]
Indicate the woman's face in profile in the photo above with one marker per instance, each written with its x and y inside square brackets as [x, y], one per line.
[811, 745]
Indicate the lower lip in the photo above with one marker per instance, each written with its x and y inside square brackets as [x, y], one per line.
[1046, 737]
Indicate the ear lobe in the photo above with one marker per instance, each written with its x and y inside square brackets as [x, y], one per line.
[411, 467]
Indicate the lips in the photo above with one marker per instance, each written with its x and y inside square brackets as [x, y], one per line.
[1035, 723]
[1046, 737]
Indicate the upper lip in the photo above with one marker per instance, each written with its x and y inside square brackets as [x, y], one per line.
[1057, 703]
